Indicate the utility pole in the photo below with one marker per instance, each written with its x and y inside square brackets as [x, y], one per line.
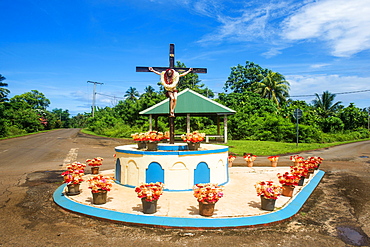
[94, 95]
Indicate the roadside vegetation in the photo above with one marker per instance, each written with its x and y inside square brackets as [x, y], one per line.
[260, 97]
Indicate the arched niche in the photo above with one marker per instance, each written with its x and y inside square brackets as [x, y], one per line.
[154, 173]
[202, 173]
[178, 177]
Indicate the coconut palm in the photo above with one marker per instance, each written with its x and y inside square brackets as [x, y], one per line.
[324, 104]
[131, 93]
[3, 91]
[149, 90]
[272, 86]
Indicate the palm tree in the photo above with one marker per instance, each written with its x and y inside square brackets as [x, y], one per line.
[131, 93]
[325, 104]
[273, 86]
[149, 90]
[3, 91]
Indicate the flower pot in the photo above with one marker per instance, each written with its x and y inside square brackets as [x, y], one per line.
[99, 197]
[301, 181]
[249, 163]
[230, 163]
[267, 204]
[95, 170]
[193, 146]
[73, 189]
[149, 207]
[141, 145]
[274, 163]
[308, 175]
[206, 209]
[288, 190]
[152, 146]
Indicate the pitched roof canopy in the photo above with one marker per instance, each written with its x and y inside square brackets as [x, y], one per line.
[189, 102]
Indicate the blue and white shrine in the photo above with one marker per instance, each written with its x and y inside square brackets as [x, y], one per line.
[172, 164]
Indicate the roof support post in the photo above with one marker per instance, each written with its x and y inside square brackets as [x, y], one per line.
[218, 125]
[187, 123]
[225, 128]
[150, 123]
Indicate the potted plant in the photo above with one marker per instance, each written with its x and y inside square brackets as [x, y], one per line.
[140, 138]
[193, 139]
[149, 194]
[99, 186]
[296, 159]
[249, 158]
[274, 160]
[300, 171]
[73, 177]
[152, 138]
[288, 182]
[268, 192]
[207, 195]
[230, 160]
[316, 161]
[95, 163]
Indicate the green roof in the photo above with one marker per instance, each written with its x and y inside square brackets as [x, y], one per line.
[190, 102]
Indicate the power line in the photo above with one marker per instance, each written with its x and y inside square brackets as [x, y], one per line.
[111, 96]
[310, 95]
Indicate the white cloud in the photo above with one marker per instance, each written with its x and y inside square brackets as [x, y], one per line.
[319, 65]
[251, 24]
[343, 24]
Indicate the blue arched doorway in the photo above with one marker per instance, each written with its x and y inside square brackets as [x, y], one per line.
[154, 173]
[118, 170]
[202, 174]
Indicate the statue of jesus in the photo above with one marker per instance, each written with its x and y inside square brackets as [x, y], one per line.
[169, 80]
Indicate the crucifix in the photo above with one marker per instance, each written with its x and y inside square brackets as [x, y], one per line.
[169, 78]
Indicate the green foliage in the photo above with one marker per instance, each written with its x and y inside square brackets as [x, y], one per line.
[324, 104]
[273, 86]
[33, 100]
[242, 78]
[3, 91]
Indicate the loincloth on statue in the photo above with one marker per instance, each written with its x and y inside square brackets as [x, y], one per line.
[173, 91]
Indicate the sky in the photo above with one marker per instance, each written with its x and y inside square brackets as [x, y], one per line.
[56, 47]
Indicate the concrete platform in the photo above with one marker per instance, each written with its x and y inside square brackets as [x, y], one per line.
[240, 206]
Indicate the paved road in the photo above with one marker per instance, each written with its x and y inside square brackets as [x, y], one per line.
[335, 215]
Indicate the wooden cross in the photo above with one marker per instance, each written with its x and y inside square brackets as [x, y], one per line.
[179, 70]
[172, 65]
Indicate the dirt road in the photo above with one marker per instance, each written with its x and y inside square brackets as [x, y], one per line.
[335, 215]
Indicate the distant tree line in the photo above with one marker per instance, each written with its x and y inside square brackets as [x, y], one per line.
[260, 97]
[27, 113]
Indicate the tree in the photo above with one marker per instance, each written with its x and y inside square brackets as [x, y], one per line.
[241, 78]
[3, 91]
[273, 86]
[324, 104]
[353, 117]
[33, 99]
[149, 91]
[61, 117]
[131, 94]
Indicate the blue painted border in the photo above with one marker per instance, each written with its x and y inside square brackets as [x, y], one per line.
[290, 210]
[180, 153]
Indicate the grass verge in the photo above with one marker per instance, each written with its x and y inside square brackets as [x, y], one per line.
[267, 148]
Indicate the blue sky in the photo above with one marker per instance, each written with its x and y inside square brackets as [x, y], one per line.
[55, 47]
